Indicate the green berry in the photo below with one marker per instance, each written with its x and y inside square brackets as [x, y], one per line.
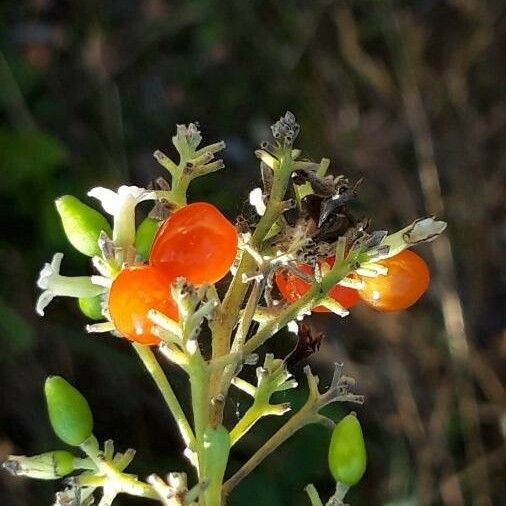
[91, 307]
[347, 454]
[82, 224]
[69, 412]
[145, 235]
[63, 462]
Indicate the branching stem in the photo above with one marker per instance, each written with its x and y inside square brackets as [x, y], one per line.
[153, 367]
[227, 316]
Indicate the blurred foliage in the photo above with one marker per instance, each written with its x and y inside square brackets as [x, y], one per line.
[406, 94]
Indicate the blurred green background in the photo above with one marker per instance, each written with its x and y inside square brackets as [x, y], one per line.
[407, 94]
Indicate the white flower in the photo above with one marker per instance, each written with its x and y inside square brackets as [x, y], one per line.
[54, 284]
[421, 230]
[424, 230]
[256, 199]
[121, 205]
[114, 202]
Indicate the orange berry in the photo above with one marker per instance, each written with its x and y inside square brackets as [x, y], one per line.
[133, 293]
[196, 242]
[406, 281]
[292, 287]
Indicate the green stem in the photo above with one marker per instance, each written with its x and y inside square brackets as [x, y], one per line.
[305, 303]
[227, 316]
[340, 493]
[252, 415]
[199, 379]
[122, 482]
[180, 184]
[240, 336]
[198, 371]
[153, 367]
[85, 464]
[217, 450]
[314, 497]
[91, 480]
[257, 410]
[303, 417]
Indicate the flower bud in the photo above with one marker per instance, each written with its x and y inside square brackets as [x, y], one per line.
[82, 224]
[46, 466]
[69, 412]
[91, 307]
[347, 454]
[421, 230]
[145, 235]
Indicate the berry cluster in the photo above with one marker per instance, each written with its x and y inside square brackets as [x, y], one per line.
[196, 242]
[155, 285]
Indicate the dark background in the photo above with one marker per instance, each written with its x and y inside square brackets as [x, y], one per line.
[407, 94]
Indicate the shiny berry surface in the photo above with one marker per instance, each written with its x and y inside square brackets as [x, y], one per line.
[133, 293]
[406, 281]
[196, 242]
[347, 453]
[292, 288]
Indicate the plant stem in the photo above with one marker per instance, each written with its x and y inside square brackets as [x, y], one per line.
[337, 498]
[153, 367]
[226, 318]
[120, 481]
[303, 417]
[180, 183]
[307, 414]
[240, 336]
[245, 423]
[199, 379]
[305, 303]
[91, 480]
[314, 497]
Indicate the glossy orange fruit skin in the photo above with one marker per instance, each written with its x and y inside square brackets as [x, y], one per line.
[133, 293]
[407, 279]
[196, 242]
[292, 288]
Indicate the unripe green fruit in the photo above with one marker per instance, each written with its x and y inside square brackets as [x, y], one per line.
[46, 466]
[63, 462]
[82, 224]
[347, 454]
[145, 235]
[91, 307]
[69, 412]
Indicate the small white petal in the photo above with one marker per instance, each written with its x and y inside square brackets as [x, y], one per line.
[45, 273]
[256, 199]
[56, 261]
[49, 270]
[426, 229]
[112, 202]
[131, 192]
[42, 302]
[421, 230]
[108, 199]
